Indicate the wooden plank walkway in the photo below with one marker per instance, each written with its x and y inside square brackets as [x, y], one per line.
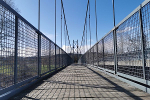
[77, 82]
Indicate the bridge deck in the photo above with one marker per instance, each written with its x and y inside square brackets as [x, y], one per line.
[78, 82]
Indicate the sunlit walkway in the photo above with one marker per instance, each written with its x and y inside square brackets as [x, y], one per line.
[78, 82]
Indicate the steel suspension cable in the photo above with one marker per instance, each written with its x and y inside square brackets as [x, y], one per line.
[61, 26]
[114, 13]
[65, 35]
[86, 37]
[96, 21]
[39, 16]
[55, 21]
[96, 33]
[83, 36]
[55, 34]
[65, 22]
[89, 25]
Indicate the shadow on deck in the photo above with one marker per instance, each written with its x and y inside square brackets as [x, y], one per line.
[81, 83]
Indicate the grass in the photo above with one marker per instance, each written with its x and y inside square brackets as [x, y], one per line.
[8, 70]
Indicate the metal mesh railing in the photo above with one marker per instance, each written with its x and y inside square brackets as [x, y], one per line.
[7, 44]
[109, 51]
[25, 53]
[126, 49]
[146, 30]
[52, 58]
[57, 57]
[45, 55]
[129, 51]
[27, 63]
[100, 54]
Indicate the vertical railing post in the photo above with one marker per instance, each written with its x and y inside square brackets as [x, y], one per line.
[59, 57]
[87, 57]
[39, 54]
[62, 57]
[73, 50]
[77, 51]
[93, 55]
[49, 55]
[142, 43]
[90, 57]
[103, 54]
[97, 55]
[65, 60]
[16, 50]
[55, 58]
[115, 51]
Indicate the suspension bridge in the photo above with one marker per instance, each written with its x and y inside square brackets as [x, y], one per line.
[117, 67]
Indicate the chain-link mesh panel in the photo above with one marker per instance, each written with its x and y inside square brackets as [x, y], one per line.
[92, 56]
[57, 57]
[109, 51]
[27, 52]
[100, 54]
[52, 58]
[84, 58]
[19, 44]
[64, 59]
[61, 58]
[45, 55]
[87, 57]
[146, 30]
[65, 56]
[95, 54]
[7, 44]
[129, 52]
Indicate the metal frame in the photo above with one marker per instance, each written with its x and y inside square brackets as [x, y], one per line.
[21, 85]
[137, 74]
[16, 50]
[115, 51]
[142, 41]
[39, 55]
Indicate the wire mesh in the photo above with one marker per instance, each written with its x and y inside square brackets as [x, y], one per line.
[57, 57]
[100, 54]
[27, 52]
[61, 59]
[109, 51]
[20, 40]
[65, 57]
[146, 30]
[7, 44]
[52, 58]
[87, 57]
[45, 55]
[92, 56]
[129, 53]
[95, 54]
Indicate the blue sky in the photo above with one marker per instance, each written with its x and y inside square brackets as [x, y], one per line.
[75, 11]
